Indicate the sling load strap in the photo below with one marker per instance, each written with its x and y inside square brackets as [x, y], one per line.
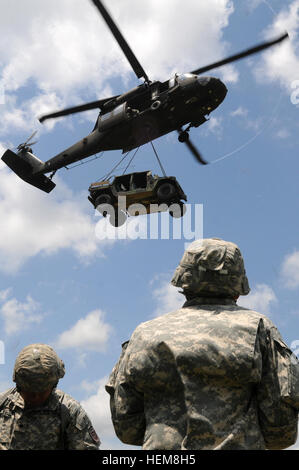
[130, 160]
[159, 161]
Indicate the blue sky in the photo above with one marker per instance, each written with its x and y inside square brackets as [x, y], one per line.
[61, 281]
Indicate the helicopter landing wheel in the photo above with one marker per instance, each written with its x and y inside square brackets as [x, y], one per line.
[183, 136]
[155, 105]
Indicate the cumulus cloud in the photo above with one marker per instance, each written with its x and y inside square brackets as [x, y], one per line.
[166, 296]
[283, 134]
[18, 316]
[98, 409]
[90, 333]
[239, 112]
[35, 223]
[214, 126]
[281, 64]
[66, 55]
[5, 293]
[261, 299]
[290, 270]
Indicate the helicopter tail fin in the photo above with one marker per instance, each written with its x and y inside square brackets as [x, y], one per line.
[26, 166]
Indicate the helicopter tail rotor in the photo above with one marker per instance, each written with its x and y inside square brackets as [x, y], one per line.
[25, 146]
[28, 167]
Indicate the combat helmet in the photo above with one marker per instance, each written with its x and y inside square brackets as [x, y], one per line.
[38, 368]
[212, 267]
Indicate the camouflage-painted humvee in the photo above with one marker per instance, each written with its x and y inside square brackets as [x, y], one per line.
[154, 193]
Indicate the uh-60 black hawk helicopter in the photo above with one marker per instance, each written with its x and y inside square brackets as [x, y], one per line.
[136, 117]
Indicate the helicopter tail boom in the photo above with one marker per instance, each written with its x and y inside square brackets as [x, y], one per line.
[25, 165]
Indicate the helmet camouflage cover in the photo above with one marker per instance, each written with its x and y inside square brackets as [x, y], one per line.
[37, 368]
[212, 267]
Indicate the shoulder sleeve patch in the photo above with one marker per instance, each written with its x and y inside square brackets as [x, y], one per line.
[94, 435]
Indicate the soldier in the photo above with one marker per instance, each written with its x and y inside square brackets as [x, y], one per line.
[211, 375]
[36, 416]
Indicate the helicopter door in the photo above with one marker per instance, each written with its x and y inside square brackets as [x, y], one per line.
[113, 118]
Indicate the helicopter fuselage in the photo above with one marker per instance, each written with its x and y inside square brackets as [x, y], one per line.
[144, 114]
[136, 117]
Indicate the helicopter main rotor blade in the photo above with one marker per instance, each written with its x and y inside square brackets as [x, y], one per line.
[195, 152]
[241, 55]
[29, 138]
[135, 64]
[192, 148]
[75, 109]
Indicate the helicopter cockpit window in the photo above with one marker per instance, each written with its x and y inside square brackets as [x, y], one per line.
[115, 111]
[114, 117]
[106, 116]
[186, 78]
[172, 82]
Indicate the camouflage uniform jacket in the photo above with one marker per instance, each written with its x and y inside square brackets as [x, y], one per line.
[207, 376]
[41, 428]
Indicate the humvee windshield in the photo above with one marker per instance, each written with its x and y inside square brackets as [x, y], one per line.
[132, 181]
[122, 183]
[139, 180]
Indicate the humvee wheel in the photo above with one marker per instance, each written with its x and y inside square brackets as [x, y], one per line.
[103, 199]
[166, 191]
[103, 204]
[117, 218]
[177, 210]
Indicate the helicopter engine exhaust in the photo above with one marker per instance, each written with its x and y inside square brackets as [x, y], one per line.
[25, 165]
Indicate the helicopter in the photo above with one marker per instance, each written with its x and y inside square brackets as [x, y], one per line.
[136, 117]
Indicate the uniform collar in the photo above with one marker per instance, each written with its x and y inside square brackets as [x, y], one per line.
[51, 404]
[209, 301]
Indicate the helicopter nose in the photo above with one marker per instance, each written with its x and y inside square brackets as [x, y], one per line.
[214, 87]
[219, 88]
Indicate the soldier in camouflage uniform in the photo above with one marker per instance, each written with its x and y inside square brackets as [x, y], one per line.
[211, 375]
[36, 416]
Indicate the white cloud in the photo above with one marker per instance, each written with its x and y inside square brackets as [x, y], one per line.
[290, 270]
[283, 134]
[4, 294]
[261, 298]
[90, 333]
[214, 126]
[281, 63]
[24, 116]
[255, 124]
[18, 315]
[166, 296]
[240, 111]
[98, 409]
[252, 4]
[33, 222]
[67, 54]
